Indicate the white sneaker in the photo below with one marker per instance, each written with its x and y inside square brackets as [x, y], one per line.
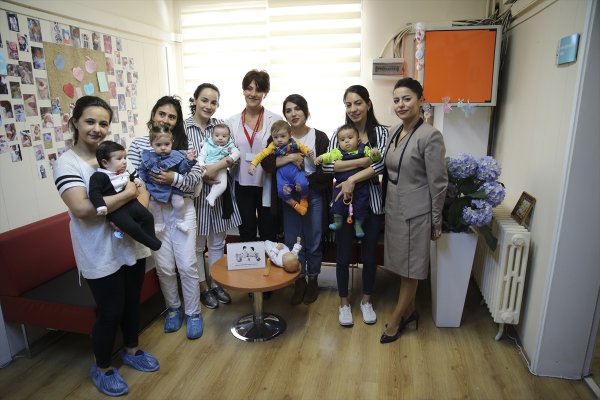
[346, 316]
[368, 314]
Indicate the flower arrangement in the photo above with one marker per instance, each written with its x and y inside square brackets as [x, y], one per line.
[473, 190]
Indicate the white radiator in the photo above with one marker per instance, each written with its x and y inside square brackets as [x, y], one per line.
[500, 274]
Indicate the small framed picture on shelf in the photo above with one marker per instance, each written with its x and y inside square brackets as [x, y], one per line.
[523, 208]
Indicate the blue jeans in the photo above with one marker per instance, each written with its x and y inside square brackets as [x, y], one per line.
[309, 228]
[344, 241]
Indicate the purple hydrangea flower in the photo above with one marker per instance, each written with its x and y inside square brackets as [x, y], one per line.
[495, 192]
[462, 166]
[488, 169]
[478, 216]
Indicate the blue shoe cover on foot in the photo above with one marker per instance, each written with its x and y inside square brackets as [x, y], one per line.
[111, 383]
[141, 361]
[195, 326]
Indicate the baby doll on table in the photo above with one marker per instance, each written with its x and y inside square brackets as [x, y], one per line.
[281, 255]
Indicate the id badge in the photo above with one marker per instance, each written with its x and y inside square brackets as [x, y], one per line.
[250, 156]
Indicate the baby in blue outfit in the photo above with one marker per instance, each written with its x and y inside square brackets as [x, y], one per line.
[218, 146]
[161, 157]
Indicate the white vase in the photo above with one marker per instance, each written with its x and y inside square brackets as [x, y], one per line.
[451, 263]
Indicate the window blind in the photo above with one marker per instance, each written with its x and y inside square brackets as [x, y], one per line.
[307, 47]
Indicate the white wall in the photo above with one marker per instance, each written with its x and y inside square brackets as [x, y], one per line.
[384, 18]
[535, 140]
[534, 137]
[145, 29]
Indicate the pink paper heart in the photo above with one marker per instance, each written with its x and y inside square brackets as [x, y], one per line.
[90, 65]
[69, 90]
[78, 73]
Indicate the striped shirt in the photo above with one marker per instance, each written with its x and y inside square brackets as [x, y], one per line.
[186, 183]
[375, 199]
[210, 219]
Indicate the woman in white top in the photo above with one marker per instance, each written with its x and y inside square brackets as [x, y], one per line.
[250, 130]
[309, 228]
[107, 263]
[177, 255]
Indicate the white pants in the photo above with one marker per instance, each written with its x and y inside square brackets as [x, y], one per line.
[178, 254]
[216, 246]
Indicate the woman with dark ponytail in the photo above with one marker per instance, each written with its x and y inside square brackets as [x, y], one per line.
[213, 222]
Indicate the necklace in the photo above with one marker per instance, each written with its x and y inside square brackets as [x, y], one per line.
[258, 122]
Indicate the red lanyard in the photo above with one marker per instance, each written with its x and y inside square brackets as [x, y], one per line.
[258, 121]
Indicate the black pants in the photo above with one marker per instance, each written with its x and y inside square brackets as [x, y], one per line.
[135, 220]
[117, 304]
[344, 241]
[249, 201]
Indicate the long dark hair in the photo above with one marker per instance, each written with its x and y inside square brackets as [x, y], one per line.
[298, 100]
[197, 92]
[372, 123]
[80, 105]
[180, 140]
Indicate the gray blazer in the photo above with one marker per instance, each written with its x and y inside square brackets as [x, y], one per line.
[423, 176]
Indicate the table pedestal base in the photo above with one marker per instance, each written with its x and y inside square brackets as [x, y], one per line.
[258, 327]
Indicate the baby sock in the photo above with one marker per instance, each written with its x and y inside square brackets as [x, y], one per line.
[337, 222]
[358, 230]
[300, 209]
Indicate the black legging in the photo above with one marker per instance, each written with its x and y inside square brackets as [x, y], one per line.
[117, 303]
[249, 201]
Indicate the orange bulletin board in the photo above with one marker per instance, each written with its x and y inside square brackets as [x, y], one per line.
[462, 63]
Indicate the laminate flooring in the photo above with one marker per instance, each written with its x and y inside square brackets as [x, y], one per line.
[314, 359]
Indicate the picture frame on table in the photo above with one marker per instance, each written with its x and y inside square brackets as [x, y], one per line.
[245, 255]
[523, 208]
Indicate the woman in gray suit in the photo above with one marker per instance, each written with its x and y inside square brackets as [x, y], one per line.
[414, 190]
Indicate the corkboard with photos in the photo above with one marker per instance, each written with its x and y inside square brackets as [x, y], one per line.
[45, 67]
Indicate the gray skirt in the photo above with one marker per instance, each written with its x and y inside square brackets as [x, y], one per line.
[406, 250]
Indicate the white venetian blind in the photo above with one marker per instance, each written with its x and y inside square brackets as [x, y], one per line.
[308, 47]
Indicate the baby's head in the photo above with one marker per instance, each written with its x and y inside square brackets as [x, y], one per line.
[290, 262]
[221, 134]
[347, 137]
[111, 156]
[281, 132]
[161, 140]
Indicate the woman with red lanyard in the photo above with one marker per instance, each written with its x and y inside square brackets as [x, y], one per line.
[250, 130]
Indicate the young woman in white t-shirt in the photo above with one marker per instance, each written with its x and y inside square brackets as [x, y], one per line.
[107, 263]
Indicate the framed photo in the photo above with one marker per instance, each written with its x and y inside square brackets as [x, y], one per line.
[523, 208]
[245, 255]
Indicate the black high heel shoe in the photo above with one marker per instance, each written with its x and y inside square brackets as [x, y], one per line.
[412, 317]
[389, 339]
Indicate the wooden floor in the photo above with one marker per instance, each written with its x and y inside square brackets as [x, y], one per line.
[314, 359]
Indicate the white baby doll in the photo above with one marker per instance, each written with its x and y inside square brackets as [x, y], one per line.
[281, 255]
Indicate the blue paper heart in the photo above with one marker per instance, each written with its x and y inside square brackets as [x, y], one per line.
[59, 62]
[88, 88]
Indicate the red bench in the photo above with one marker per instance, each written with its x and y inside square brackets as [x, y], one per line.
[39, 281]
